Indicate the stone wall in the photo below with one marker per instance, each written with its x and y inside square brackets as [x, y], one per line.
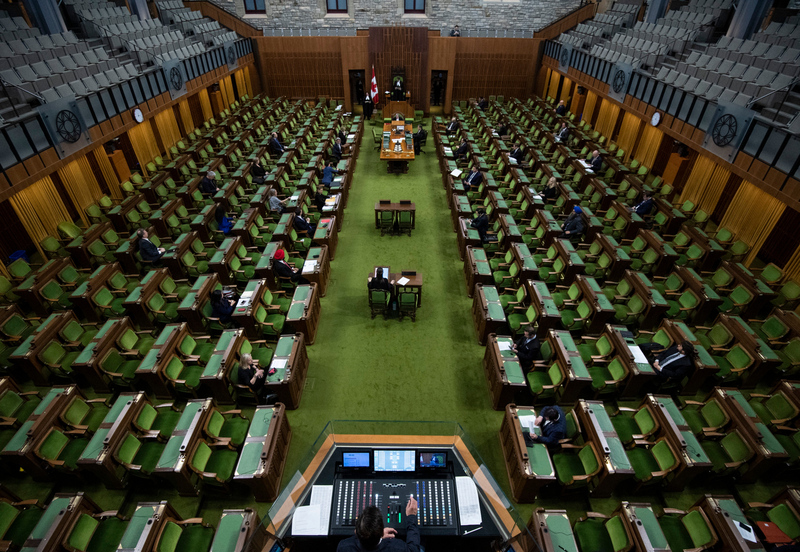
[471, 15]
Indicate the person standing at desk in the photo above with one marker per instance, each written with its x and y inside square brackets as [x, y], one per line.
[419, 136]
[456, 31]
[527, 349]
[370, 534]
[553, 425]
[328, 173]
[473, 181]
[369, 107]
[336, 150]
[283, 270]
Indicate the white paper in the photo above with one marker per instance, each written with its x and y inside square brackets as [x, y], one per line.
[528, 422]
[338, 107]
[331, 200]
[403, 281]
[469, 510]
[585, 164]
[351, 137]
[323, 496]
[310, 266]
[504, 345]
[512, 160]
[305, 520]
[638, 355]
[745, 531]
[456, 173]
[279, 363]
[338, 179]
[447, 151]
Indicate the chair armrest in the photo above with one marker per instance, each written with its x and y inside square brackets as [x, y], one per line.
[675, 511]
[596, 515]
[695, 403]
[759, 505]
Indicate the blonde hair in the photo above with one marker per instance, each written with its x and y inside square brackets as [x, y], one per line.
[246, 359]
[552, 182]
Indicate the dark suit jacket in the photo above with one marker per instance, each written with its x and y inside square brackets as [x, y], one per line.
[283, 270]
[411, 544]
[301, 225]
[148, 250]
[246, 374]
[383, 283]
[275, 146]
[207, 186]
[336, 151]
[483, 105]
[644, 207]
[258, 172]
[502, 131]
[481, 224]
[561, 110]
[677, 369]
[528, 352]
[574, 224]
[596, 163]
[552, 432]
[453, 127]
[474, 179]
[224, 313]
[563, 134]
[462, 149]
[518, 154]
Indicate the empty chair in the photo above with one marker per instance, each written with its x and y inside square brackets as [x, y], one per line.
[91, 84]
[50, 95]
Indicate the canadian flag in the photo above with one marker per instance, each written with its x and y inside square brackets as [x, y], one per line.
[373, 93]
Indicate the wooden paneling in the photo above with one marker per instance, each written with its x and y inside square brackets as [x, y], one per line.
[355, 56]
[442, 57]
[231, 21]
[494, 66]
[405, 47]
[301, 66]
[567, 22]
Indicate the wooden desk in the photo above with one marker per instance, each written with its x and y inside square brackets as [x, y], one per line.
[119, 214]
[146, 526]
[641, 522]
[173, 465]
[78, 248]
[87, 363]
[244, 312]
[215, 378]
[201, 221]
[476, 269]
[397, 157]
[526, 264]
[317, 268]
[762, 293]
[58, 520]
[396, 208]
[25, 355]
[707, 308]
[414, 284]
[136, 302]
[264, 453]
[529, 468]
[487, 312]
[30, 290]
[191, 307]
[326, 234]
[504, 375]
[705, 365]
[576, 376]
[547, 313]
[725, 515]
[467, 236]
[655, 304]
[602, 307]
[552, 531]
[290, 362]
[460, 208]
[304, 311]
[220, 262]
[641, 373]
[151, 369]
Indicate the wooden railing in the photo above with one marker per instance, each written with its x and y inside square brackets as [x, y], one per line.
[578, 15]
[226, 19]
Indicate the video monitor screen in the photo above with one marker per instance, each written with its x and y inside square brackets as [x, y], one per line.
[394, 461]
[355, 459]
[432, 459]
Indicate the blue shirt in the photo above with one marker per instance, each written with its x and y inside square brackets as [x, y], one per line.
[327, 174]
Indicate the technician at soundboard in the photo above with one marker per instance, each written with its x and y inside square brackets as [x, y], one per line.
[372, 535]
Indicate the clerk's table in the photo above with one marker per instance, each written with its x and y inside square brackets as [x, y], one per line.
[397, 146]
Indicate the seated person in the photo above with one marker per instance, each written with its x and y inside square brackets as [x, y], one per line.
[573, 226]
[595, 161]
[275, 205]
[473, 180]
[301, 224]
[222, 305]
[673, 364]
[253, 376]
[553, 424]
[550, 191]
[482, 103]
[527, 348]
[370, 534]
[147, 249]
[329, 172]
[644, 207]
[275, 146]
[419, 136]
[562, 108]
[517, 153]
[481, 224]
[462, 151]
[284, 270]
[207, 186]
[379, 282]
[223, 222]
[502, 130]
[258, 172]
[563, 133]
[452, 126]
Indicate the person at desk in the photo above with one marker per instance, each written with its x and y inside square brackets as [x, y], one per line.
[474, 179]
[336, 150]
[328, 173]
[563, 133]
[301, 224]
[553, 425]
[222, 306]
[595, 161]
[275, 205]
[342, 136]
[573, 226]
[254, 377]
[275, 146]
[456, 31]
[370, 534]
[379, 282]
[419, 136]
[673, 364]
[452, 126]
[258, 172]
[482, 103]
[527, 348]
[369, 107]
[481, 224]
[207, 186]
[224, 224]
[644, 207]
[502, 130]
[283, 270]
[561, 109]
[550, 192]
[147, 249]
[517, 153]
[462, 151]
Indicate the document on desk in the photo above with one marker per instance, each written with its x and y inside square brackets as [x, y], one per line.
[322, 495]
[638, 355]
[504, 345]
[279, 363]
[745, 531]
[403, 281]
[306, 520]
[456, 173]
[310, 266]
[528, 422]
[447, 151]
[469, 509]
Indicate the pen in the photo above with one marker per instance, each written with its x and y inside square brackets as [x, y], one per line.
[472, 531]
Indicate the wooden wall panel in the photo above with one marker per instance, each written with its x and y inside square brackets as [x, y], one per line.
[405, 47]
[355, 56]
[442, 57]
[301, 66]
[495, 66]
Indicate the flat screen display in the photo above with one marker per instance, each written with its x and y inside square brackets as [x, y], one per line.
[394, 461]
[355, 459]
[432, 459]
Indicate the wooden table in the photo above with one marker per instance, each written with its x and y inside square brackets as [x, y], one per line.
[304, 311]
[317, 268]
[397, 158]
[404, 206]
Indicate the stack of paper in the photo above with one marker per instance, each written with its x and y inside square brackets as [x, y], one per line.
[469, 509]
[310, 266]
[456, 173]
[330, 201]
[403, 281]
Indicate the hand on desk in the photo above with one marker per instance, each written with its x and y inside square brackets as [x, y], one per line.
[657, 366]
[411, 507]
[389, 533]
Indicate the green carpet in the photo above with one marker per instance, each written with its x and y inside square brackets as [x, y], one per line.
[363, 369]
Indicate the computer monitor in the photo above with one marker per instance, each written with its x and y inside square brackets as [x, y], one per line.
[432, 459]
[355, 459]
[394, 461]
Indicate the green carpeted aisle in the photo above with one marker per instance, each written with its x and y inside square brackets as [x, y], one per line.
[363, 369]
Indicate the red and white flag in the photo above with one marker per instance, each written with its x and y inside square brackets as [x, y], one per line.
[373, 93]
